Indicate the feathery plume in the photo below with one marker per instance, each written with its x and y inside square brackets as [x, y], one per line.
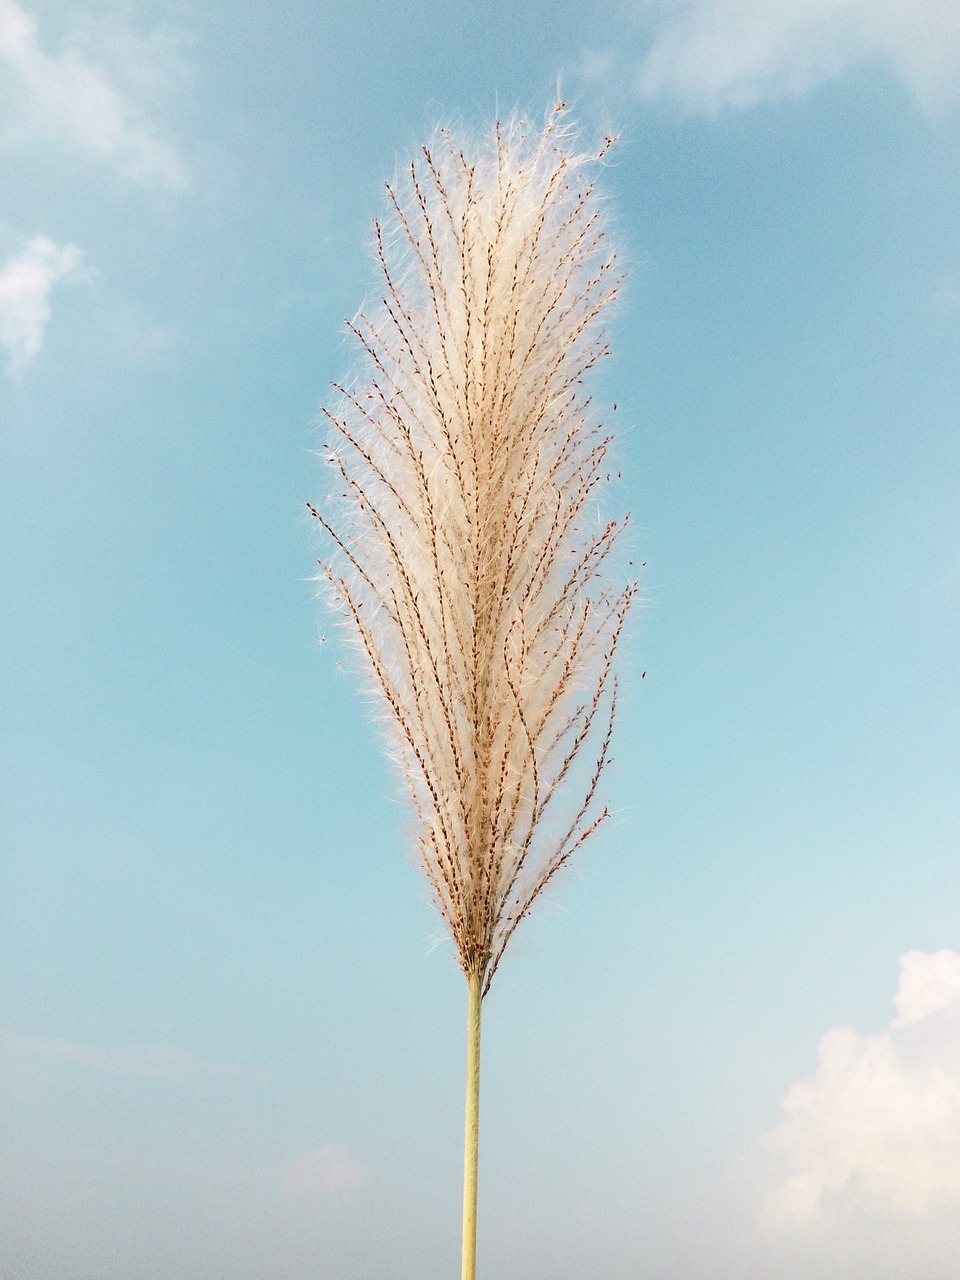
[466, 552]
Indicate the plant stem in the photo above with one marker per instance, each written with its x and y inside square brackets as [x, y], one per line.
[471, 1134]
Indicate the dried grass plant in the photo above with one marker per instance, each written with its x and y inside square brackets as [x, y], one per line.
[466, 552]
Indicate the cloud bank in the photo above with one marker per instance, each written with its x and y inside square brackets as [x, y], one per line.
[876, 1129]
[708, 55]
[71, 99]
[26, 281]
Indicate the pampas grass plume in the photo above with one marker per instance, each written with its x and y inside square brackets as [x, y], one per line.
[466, 550]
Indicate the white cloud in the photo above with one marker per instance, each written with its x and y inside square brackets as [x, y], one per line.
[72, 99]
[26, 280]
[711, 54]
[876, 1129]
[326, 1169]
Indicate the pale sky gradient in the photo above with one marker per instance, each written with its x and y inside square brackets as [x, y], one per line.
[230, 1033]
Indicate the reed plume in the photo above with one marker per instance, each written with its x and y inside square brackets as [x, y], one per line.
[466, 552]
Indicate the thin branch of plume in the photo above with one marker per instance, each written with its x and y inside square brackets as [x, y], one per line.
[465, 548]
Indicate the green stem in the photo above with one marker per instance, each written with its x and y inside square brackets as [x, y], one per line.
[471, 1137]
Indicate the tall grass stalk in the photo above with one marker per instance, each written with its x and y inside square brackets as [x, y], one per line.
[466, 551]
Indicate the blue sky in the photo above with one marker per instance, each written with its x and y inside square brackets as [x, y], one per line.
[729, 1044]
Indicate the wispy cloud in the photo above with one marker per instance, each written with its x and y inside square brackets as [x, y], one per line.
[26, 281]
[876, 1128]
[708, 55]
[326, 1169]
[141, 1061]
[946, 297]
[72, 99]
